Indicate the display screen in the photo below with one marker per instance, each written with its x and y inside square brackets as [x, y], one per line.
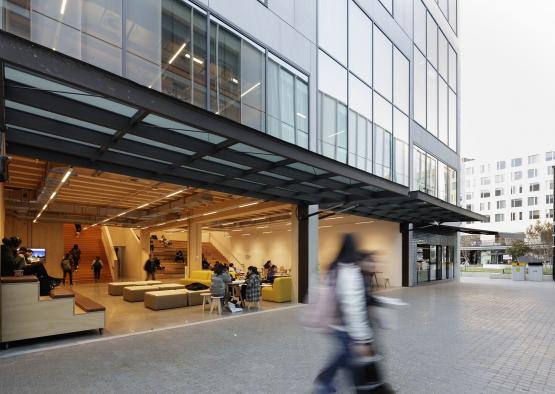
[39, 255]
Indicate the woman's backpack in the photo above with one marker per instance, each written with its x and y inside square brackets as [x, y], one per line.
[66, 265]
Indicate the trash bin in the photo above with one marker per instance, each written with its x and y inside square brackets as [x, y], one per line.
[535, 272]
[518, 271]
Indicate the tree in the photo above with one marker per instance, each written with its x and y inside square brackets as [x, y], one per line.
[539, 236]
[518, 249]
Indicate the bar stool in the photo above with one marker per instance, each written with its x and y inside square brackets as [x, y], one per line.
[386, 282]
[205, 299]
[216, 300]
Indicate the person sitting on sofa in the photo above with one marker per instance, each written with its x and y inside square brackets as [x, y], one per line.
[271, 275]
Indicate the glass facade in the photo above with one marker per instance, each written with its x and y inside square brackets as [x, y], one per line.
[434, 177]
[363, 108]
[173, 47]
[435, 78]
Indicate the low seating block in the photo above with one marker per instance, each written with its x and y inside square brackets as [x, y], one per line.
[171, 286]
[116, 288]
[136, 293]
[195, 296]
[166, 299]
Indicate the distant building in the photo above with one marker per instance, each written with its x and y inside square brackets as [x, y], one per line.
[513, 192]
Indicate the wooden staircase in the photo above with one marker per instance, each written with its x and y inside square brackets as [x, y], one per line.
[166, 255]
[90, 243]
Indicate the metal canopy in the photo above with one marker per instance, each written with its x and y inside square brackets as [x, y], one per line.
[449, 229]
[61, 109]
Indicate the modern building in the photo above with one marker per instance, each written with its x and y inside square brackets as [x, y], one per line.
[328, 116]
[512, 192]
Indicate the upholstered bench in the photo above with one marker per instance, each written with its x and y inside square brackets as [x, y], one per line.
[171, 286]
[195, 297]
[166, 299]
[137, 293]
[61, 292]
[116, 288]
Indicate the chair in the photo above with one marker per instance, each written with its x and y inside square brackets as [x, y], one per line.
[250, 304]
[216, 300]
[280, 290]
[205, 299]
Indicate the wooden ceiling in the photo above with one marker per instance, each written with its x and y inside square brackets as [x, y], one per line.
[25, 173]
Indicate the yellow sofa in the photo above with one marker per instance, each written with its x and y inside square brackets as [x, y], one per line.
[280, 290]
[203, 276]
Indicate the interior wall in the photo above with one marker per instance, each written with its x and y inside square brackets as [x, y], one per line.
[257, 248]
[134, 255]
[49, 236]
[381, 237]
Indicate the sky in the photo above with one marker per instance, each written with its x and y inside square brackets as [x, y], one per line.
[507, 77]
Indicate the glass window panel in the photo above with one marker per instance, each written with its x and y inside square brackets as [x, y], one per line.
[101, 54]
[431, 175]
[432, 100]
[402, 12]
[388, 4]
[332, 78]
[431, 37]
[419, 169]
[443, 55]
[400, 125]
[419, 88]
[301, 120]
[71, 15]
[401, 162]
[443, 7]
[176, 48]
[452, 68]
[453, 14]
[352, 138]
[443, 111]
[360, 97]
[102, 19]
[274, 123]
[213, 68]
[142, 71]
[452, 120]
[452, 186]
[401, 81]
[55, 35]
[382, 153]
[229, 74]
[383, 114]
[332, 28]
[360, 43]
[252, 89]
[443, 182]
[157, 144]
[383, 53]
[183, 129]
[287, 105]
[143, 29]
[199, 59]
[17, 17]
[363, 143]
[420, 25]
[328, 122]
[341, 137]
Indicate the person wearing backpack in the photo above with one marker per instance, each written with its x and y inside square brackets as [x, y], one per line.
[150, 267]
[349, 321]
[76, 256]
[67, 268]
[96, 266]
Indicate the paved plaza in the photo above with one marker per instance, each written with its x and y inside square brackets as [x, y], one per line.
[482, 335]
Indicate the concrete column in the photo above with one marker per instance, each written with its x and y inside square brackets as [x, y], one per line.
[305, 247]
[145, 252]
[194, 246]
[408, 256]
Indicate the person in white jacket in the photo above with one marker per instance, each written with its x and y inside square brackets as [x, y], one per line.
[351, 327]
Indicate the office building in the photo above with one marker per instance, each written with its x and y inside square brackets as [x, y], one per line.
[322, 117]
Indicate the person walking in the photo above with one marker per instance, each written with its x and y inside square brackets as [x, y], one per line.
[150, 267]
[349, 324]
[96, 266]
[67, 268]
[75, 253]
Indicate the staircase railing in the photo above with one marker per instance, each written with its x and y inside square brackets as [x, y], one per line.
[225, 251]
[110, 252]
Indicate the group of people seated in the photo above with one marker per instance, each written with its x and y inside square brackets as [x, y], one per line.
[222, 277]
[17, 260]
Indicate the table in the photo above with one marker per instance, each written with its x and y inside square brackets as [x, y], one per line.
[374, 275]
[235, 289]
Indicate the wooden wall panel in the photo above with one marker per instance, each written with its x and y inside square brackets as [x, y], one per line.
[49, 236]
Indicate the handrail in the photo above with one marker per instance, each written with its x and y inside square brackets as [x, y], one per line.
[223, 248]
[109, 250]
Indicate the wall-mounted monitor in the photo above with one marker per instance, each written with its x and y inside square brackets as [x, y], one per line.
[38, 255]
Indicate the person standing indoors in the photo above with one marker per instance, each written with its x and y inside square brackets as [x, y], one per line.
[150, 267]
[350, 323]
[76, 256]
[67, 268]
[96, 266]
